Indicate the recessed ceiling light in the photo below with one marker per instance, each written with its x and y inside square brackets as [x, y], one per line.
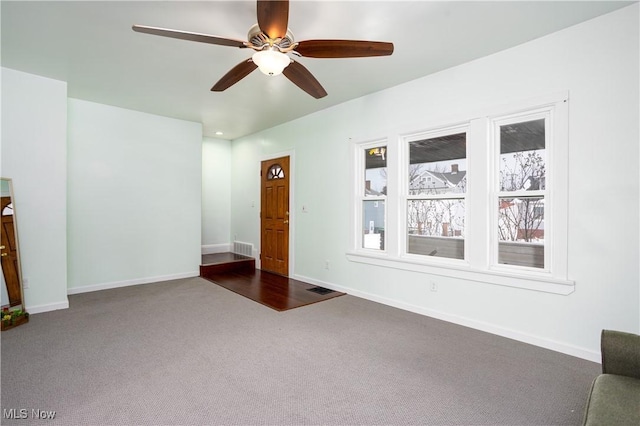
[219, 133]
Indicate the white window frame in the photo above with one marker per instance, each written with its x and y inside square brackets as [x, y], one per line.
[360, 197]
[547, 114]
[405, 141]
[556, 111]
[480, 261]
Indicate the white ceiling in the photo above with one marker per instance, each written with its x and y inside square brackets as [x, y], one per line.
[91, 46]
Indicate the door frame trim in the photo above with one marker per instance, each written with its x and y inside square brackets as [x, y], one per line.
[292, 213]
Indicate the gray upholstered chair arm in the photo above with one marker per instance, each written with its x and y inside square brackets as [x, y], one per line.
[620, 353]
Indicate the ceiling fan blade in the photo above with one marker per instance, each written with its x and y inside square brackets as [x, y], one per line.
[184, 35]
[343, 48]
[236, 74]
[273, 17]
[301, 77]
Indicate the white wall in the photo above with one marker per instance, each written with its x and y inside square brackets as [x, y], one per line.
[598, 63]
[216, 195]
[34, 147]
[134, 197]
[246, 155]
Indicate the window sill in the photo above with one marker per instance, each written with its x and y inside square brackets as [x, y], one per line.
[529, 281]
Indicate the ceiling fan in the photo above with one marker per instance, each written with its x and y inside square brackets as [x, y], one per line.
[272, 40]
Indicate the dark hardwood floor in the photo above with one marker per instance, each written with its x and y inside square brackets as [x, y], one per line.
[225, 262]
[275, 291]
[227, 257]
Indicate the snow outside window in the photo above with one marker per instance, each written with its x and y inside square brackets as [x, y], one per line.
[482, 199]
[435, 200]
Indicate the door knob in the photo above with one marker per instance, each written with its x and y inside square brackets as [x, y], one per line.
[3, 254]
[286, 221]
[2, 247]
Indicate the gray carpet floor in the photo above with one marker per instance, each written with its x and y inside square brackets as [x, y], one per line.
[190, 352]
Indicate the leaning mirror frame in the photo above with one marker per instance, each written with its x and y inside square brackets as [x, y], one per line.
[13, 309]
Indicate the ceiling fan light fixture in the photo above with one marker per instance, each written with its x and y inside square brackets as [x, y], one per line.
[272, 41]
[271, 61]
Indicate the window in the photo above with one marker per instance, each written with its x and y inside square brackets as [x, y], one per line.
[373, 194]
[435, 206]
[521, 189]
[275, 172]
[8, 210]
[484, 200]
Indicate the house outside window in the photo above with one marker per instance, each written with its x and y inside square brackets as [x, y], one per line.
[435, 206]
[483, 200]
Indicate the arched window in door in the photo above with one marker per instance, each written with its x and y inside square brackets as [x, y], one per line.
[275, 172]
[8, 210]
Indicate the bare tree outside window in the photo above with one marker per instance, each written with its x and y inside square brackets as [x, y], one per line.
[523, 170]
[436, 196]
[522, 190]
[522, 218]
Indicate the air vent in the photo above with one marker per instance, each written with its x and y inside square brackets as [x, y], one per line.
[245, 249]
[320, 290]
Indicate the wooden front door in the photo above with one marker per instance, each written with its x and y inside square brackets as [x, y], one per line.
[274, 216]
[9, 253]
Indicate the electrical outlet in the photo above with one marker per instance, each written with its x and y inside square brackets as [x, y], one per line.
[25, 283]
[433, 286]
[326, 264]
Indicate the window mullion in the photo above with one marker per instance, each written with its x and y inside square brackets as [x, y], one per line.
[478, 210]
[392, 213]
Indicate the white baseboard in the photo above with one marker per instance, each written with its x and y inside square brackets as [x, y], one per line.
[553, 345]
[216, 248]
[149, 280]
[38, 309]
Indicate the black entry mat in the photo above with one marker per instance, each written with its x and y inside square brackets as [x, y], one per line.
[320, 290]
